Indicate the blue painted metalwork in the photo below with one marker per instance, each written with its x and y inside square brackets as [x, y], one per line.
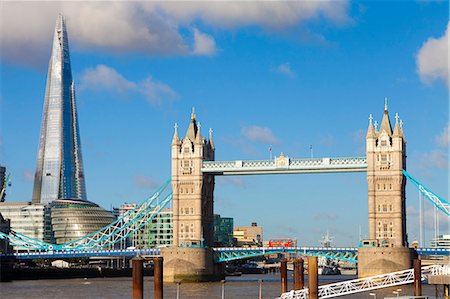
[86, 253]
[223, 254]
[233, 253]
[107, 236]
[439, 202]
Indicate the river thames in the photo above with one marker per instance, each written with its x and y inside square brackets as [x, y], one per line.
[243, 287]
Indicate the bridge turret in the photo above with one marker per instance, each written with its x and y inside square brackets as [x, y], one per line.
[386, 186]
[192, 190]
[387, 248]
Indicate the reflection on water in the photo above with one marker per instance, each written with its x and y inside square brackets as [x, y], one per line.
[242, 287]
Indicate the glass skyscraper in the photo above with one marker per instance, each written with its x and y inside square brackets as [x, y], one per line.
[59, 171]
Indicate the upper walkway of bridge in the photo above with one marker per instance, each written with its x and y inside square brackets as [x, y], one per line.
[283, 165]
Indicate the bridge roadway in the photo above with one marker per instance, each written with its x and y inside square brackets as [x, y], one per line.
[223, 254]
[284, 165]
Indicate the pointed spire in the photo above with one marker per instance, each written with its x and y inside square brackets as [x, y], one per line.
[375, 125]
[198, 137]
[370, 130]
[385, 122]
[191, 133]
[211, 143]
[397, 126]
[175, 139]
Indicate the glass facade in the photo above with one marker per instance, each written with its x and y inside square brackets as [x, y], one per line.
[29, 219]
[59, 170]
[155, 234]
[72, 219]
[223, 231]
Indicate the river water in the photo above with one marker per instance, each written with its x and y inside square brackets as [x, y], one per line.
[242, 287]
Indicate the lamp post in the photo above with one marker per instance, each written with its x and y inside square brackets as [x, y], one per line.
[260, 288]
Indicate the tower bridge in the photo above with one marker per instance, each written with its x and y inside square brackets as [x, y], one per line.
[191, 190]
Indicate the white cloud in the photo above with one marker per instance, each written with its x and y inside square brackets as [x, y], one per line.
[435, 158]
[268, 14]
[204, 44]
[145, 182]
[286, 70]
[148, 27]
[443, 138]
[259, 134]
[103, 77]
[155, 91]
[432, 59]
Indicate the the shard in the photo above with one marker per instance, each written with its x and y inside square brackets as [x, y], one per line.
[59, 171]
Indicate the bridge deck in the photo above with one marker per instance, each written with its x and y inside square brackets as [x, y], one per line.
[285, 165]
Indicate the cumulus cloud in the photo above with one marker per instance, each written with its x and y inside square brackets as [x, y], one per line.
[204, 44]
[145, 182]
[148, 27]
[103, 77]
[432, 59]
[443, 138]
[285, 69]
[259, 134]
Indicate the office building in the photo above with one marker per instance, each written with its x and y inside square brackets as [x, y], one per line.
[223, 231]
[247, 236]
[32, 220]
[155, 234]
[59, 170]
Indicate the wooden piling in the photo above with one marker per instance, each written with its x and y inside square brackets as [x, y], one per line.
[158, 278]
[417, 277]
[283, 274]
[138, 277]
[299, 279]
[313, 278]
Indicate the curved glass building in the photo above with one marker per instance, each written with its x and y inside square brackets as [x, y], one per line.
[73, 219]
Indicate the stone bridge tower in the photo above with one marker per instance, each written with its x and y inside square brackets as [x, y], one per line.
[387, 247]
[191, 258]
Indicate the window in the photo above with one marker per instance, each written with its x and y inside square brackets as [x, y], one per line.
[383, 143]
[384, 208]
[383, 158]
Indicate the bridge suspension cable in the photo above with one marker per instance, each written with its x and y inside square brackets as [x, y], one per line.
[111, 234]
[437, 201]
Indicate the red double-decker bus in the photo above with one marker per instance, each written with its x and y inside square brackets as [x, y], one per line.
[281, 243]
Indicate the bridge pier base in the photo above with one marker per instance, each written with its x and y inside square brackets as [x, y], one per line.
[191, 265]
[380, 260]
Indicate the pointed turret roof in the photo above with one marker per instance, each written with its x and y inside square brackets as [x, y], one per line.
[397, 130]
[385, 122]
[211, 143]
[193, 128]
[175, 139]
[370, 130]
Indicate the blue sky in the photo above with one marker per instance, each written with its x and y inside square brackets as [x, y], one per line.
[286, 74]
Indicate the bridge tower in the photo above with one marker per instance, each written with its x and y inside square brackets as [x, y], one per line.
[387, 247]
[191, 257]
